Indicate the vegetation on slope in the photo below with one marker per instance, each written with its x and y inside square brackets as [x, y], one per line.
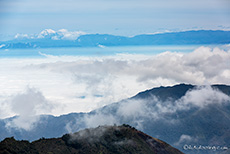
[101, 140]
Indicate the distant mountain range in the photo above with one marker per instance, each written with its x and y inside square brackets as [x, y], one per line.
[101, 140]
[180, 115]
[51, 39]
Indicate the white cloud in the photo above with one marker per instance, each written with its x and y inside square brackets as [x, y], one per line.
[5, 110]
[2, 45]
[124, 142]
[21, 36]
[136, 108]
[100, 119]
[28, 106]
[186, 139]
[203, 96]
[137, 112]
[67, 35]
[199, 67]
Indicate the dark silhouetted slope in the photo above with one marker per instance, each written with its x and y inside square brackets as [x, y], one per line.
[175, 92]
[164, 93]
[101, 140]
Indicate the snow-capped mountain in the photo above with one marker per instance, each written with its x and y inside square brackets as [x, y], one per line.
[47, 33]
[64, 38]
[62, 34]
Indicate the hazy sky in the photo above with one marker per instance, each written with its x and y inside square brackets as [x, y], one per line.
[123, 17]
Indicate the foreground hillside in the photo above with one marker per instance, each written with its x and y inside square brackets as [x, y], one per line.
[103, 139]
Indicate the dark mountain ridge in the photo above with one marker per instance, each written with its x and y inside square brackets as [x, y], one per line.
[164, 112]
[176, 92]
[103, 139]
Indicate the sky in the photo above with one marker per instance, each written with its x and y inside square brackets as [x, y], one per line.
[119, 17]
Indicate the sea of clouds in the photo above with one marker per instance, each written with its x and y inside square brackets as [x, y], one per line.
[62, 84]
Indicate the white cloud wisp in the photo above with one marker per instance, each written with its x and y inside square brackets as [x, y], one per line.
[28, 106]
[137, 111]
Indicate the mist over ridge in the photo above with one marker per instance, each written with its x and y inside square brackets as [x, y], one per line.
[102, 139]
[181, 111]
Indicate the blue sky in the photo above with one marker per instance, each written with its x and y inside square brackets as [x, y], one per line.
[120, 17]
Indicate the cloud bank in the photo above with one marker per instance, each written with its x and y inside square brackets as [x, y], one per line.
[204, 65]
[82, 84]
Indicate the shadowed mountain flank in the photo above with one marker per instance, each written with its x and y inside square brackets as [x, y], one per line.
[101, 140]
[180, 115]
